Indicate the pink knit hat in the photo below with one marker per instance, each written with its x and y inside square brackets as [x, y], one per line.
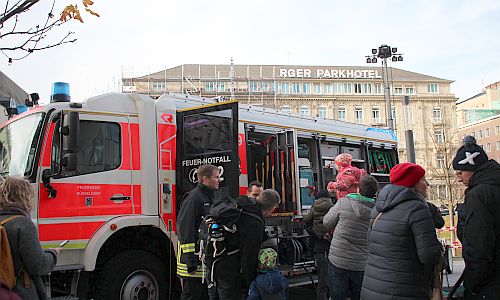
[343, 160]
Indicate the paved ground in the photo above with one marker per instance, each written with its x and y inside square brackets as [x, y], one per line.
[308, 292]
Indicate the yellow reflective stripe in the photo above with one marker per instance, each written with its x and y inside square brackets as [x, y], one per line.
[186, 248]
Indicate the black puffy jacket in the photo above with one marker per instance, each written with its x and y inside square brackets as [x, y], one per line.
[481, 237]
[402, 247]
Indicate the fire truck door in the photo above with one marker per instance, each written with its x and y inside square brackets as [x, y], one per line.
[99, 189]
[208, 135]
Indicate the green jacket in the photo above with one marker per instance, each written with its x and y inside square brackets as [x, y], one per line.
[318, 210]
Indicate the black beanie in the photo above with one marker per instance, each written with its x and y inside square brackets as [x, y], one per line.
[322, 194]
[470, 156]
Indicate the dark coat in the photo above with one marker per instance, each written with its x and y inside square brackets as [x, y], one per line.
[402, 247]
[461, 221]
[269, 285]
[436, 216]
[193, 208]
[314, 221]
[28, 255]
[481, 238]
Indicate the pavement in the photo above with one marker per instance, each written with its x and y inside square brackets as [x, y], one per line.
[308, 291]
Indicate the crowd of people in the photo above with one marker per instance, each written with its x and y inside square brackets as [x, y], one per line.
[367, 243]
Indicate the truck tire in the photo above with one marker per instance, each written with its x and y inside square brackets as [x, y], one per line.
[133, 275]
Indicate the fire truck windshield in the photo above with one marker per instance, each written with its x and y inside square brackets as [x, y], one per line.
[18, 142]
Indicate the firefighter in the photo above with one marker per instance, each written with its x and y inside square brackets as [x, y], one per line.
[194, 207]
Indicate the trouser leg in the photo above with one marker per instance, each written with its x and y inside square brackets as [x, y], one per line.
[321, 260]
[193, 289]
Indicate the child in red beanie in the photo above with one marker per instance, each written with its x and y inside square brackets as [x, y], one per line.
[347, 178]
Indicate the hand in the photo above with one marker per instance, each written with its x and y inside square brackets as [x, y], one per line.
[57, 250]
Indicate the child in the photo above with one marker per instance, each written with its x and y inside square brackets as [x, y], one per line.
[269, 284]
[347, 178]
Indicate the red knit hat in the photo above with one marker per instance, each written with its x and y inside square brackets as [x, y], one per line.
[344, 159]
[406, 174]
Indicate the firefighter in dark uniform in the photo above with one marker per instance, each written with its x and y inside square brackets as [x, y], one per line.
[194, 207]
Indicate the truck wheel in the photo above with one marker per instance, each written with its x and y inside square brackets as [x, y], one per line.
[133, 275]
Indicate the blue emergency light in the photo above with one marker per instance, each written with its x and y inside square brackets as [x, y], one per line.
[60, 92]
[21, 108]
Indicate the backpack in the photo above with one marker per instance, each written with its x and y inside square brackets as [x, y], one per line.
[218, 234]
[7, 274]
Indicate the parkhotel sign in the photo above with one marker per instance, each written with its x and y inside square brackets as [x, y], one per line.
[329, 73]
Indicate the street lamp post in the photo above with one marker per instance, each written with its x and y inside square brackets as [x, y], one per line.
[384, 52]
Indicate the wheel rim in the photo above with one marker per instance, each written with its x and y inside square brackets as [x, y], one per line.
[140, 285]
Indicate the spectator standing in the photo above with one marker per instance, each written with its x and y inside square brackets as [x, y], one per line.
[350, 218]
[481, 229]
[403, 246]
[253, 193]
[347, 178]
[30, 261]
[314, 220]
[193, 209]
[269, 284]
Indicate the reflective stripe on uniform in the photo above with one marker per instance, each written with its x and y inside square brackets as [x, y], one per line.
[182, 268]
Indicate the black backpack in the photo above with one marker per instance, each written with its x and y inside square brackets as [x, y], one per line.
[218, 234]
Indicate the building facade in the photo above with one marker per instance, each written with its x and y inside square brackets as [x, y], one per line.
[347, 93]
[479, 116]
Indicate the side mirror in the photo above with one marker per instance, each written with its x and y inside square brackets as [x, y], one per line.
[70, 131]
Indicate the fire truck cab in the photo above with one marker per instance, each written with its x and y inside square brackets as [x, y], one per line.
[110, 174]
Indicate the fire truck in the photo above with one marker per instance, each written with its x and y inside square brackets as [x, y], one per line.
[110, 173]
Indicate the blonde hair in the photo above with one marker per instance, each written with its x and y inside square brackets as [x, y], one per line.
[16, 190]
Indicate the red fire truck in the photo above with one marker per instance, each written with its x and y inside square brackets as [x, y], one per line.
[110, 172]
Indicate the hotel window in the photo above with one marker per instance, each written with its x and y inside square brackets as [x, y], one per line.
[498, 145]
[473, 134]
[254, 86]
[347, 88]
[317, 88]
[357, 88]
[378, 88]
[436, 115]
[375, 115]
[341, 113]
[265, 86]
[488, 147]
[159, 86]
[409, 91]
[322, 112]
[220, 86]
[358, 114]
[306, 88]
[304, 110]
[440, 192]
[285, 87]
[367, 88]
[480, 134]
[440, 161]
[438, 136]
[432, 88]
[487, 133]
[209, 86]
[327, 88]
[337, 88]
[393, 114]
[276, 87]
[286, 108]
[398, 90]
[497, 130]
[295, 87]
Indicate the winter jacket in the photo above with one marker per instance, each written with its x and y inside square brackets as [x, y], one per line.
[481, 237]
[403, 247]
[193, 208]
[347, 181]
[461, 221]
[269, 285]
[27, 255]
[315, 215]
[349, 218]
[436, 216]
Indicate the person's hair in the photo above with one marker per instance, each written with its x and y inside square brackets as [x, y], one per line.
[268, 199]
[16, 190]
[368, 186]
[205, 171]
[256, 183]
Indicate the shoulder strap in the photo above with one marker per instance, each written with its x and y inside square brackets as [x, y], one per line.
[9, 219]
[376, 218]
[252, 215]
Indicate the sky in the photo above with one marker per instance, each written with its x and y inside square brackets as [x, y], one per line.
[451, 39]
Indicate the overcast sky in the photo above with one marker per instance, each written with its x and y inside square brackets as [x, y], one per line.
[452, 39]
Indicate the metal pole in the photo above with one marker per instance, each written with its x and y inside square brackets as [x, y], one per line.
[410, 143]
[390, 123]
